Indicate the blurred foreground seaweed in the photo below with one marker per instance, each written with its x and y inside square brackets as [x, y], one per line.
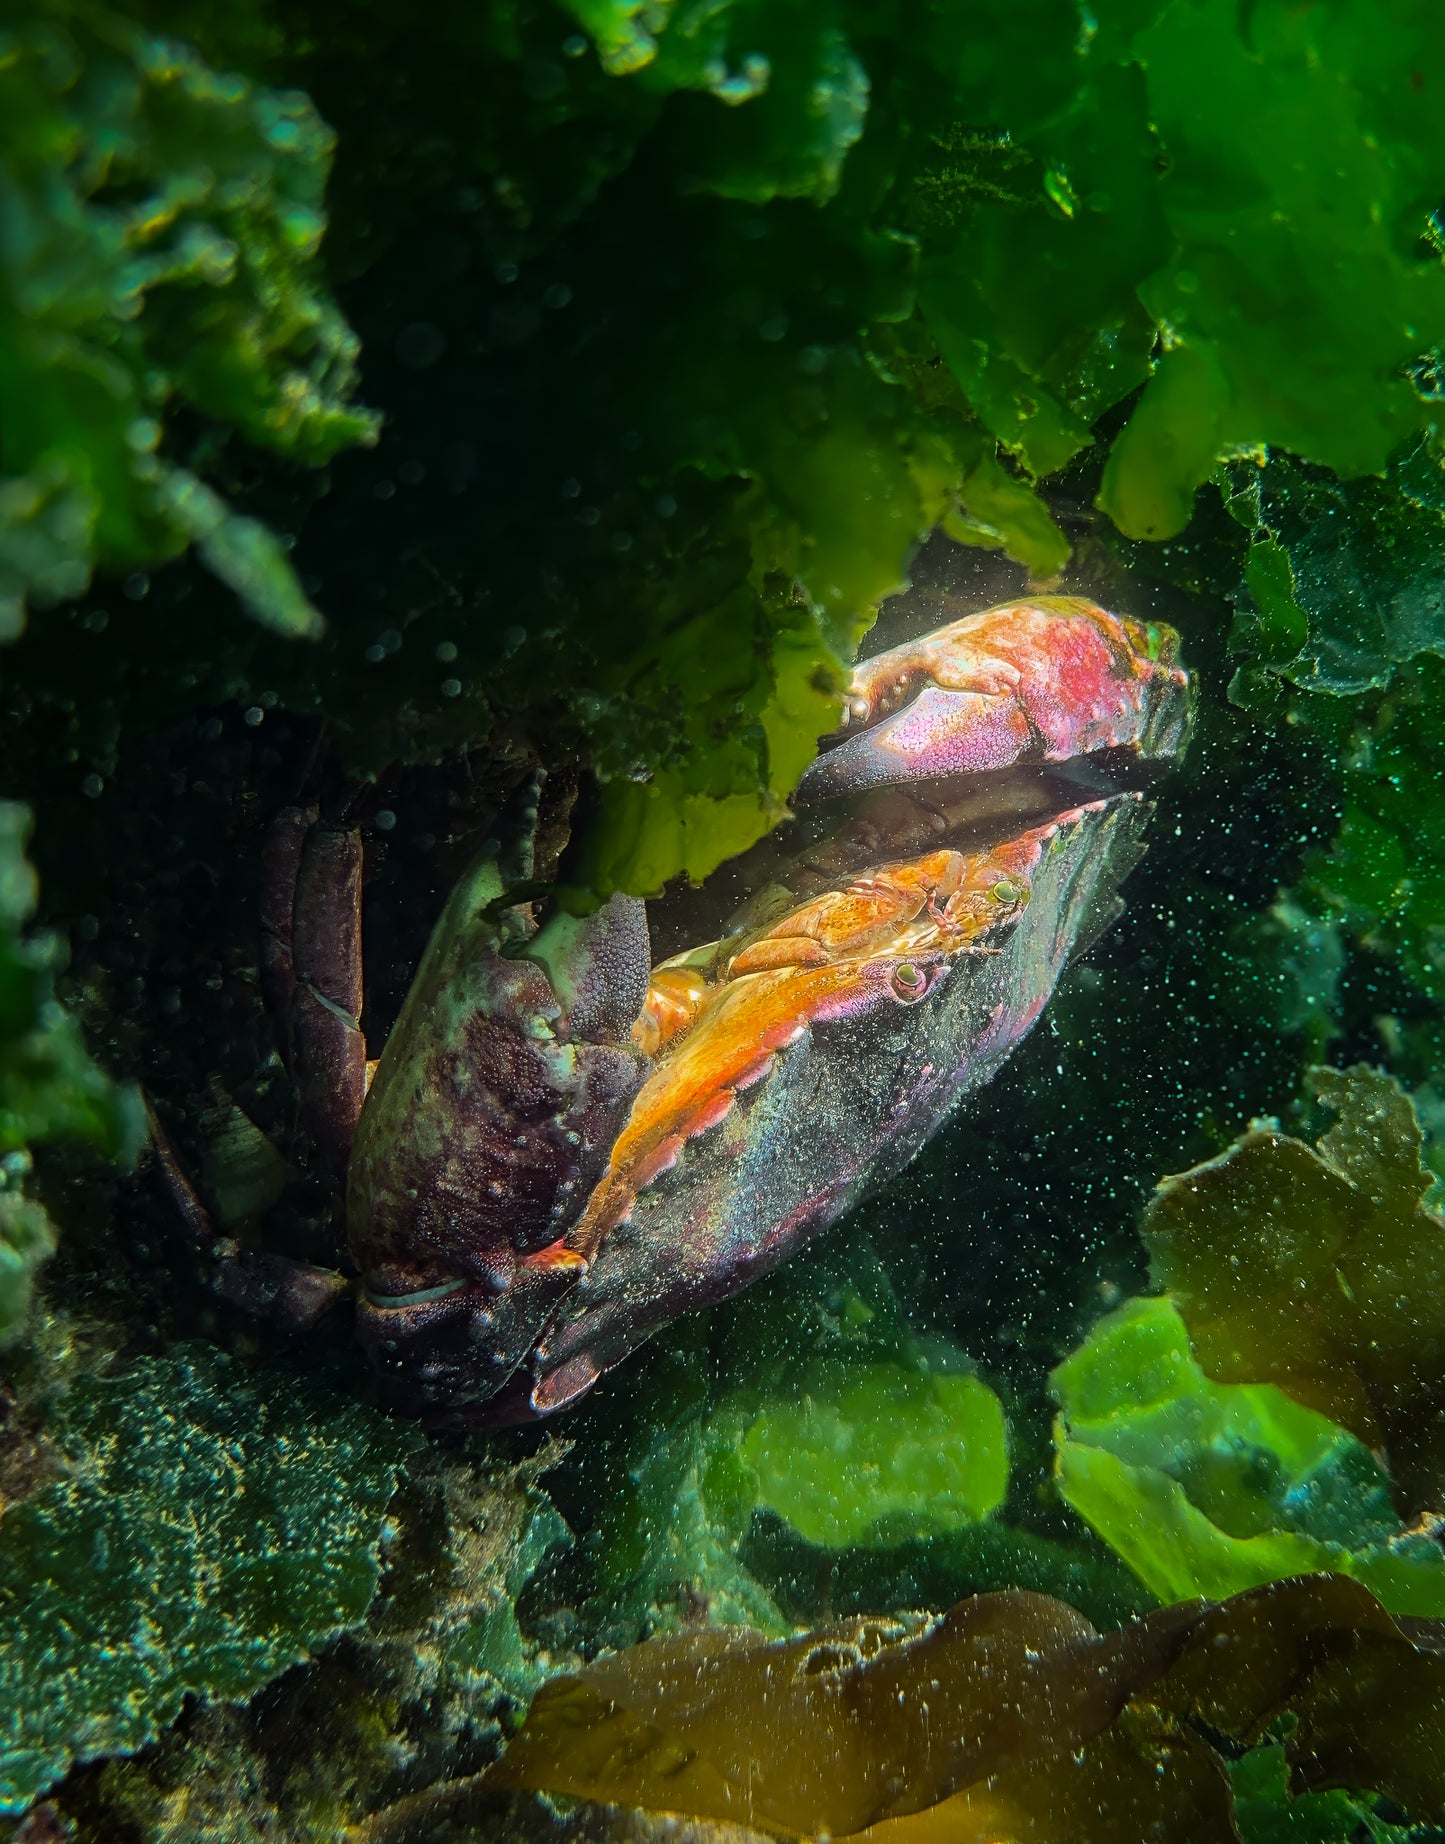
[50, 1090]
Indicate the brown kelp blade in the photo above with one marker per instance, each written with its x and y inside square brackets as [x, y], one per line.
[1009, 1717]
[1321, 1269]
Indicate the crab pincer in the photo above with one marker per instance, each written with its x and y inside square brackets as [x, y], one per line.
[1045, 680]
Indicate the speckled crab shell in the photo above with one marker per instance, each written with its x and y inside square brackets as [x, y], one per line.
[560, 1154]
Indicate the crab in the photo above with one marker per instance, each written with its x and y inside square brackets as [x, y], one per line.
[581, 1128]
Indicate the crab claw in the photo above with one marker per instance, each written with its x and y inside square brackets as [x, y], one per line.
[1037, 681]
[489, 1120]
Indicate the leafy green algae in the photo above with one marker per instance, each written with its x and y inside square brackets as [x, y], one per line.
[162, 227]
[733, 305]
[870, 1454]
[1346, 575]
[1266, 1812]
[836, 1432]
[49, 1088]
[208, 1528]
[1383, 876]
[1207, 1488]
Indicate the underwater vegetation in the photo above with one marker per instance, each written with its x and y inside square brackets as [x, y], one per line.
[453, 418]
[923, 251]
[1010, 1716]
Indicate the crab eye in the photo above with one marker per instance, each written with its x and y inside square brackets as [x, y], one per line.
[1006, 891]
[909, 982]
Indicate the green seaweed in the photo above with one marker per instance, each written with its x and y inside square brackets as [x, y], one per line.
[1344, 576]
[669, 1541]
[209, 1528]
[1266, 1812]
[745, 301]
[1209, 1489]
[1383, 877]
[1295, 293]
[50, 1090]
[163, 222]
[833, 1429]
[875, 1453]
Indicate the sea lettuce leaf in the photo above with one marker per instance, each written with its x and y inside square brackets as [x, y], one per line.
[868, 1454]
[1208, 1489]
[1297, 290]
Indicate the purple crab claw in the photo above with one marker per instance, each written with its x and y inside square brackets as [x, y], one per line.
[1040, 681]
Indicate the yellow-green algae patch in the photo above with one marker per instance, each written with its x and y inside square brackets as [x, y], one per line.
[877, 1453]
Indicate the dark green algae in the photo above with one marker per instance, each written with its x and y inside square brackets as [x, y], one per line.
[579, 543]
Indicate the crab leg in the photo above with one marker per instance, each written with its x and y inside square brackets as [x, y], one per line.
[294, 1295]
[328, 1049]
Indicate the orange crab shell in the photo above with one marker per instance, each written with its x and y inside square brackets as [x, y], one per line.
[893, 929]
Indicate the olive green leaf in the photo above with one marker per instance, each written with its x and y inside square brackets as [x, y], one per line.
[1320, 1270]
[1009, 1716]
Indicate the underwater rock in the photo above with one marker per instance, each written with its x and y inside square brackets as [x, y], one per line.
[211, 1527]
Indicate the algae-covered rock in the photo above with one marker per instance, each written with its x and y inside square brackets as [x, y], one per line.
[418, 1694]
[210, 1527]
[1208, 1489]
